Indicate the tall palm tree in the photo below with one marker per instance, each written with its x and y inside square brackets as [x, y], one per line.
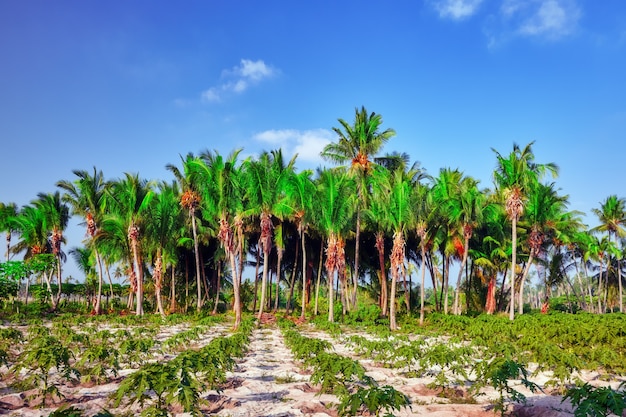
[86, 196]
[164, 213]
[356, 144]
[223, 196]
[190, 200]
[544, 208]
[8, 212]
[129, 200]
[612, 217]
[466, 211]
[514, 175]
[446, 193]
[300, 190]
[266, 179]
[400, 219]
[56, 216]
[422, 210]
[335, 212]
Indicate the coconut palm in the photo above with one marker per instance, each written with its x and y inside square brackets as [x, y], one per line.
[222, 195]
[466, 211]
[86, 196]
[446, 193]
[422, 210]
[300, 190]
[400, 218]
[165, 219]
[513, 177]
[56, 217]
[265, 182]
[356, 144]
[8, 212]
[612, 217]
[129, 199]
[190, 200]
[30, 224]
[335, 212]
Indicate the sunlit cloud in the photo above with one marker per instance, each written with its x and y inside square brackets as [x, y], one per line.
[456, 9]
[307, 144]
[238, 79]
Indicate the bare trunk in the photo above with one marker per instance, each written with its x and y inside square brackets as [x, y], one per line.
[292, 280]
[319, 277]
[380, 246]
[173, 291]
[236, 291]
[256, 278]
[279, 262]
[266, 256]
[355, 276]
[217, 287]
[197, 255]
[97, 309]
[520, 306]
[513, 263]
[304, 286]
[457, 307]
[422, 288]
[158, 282]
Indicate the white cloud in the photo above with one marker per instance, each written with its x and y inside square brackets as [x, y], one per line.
[239, 78]
[456, 9]
[551, 19]
[307, 144]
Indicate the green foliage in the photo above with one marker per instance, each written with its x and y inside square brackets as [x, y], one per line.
[42, 355]
[596, 402]
[374, 400]
[497, 373]
[336, 373]
[66, 411]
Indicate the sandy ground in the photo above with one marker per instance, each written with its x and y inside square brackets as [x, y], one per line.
[269, 382]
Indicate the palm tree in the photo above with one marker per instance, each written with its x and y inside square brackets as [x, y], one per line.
[223, 198]
[30, 223]
[400, 219]
[446, 195]
[612, 217]
[191, 201]
[356, 144]
[465, 210]
[422, 210]
[334, 215]
[266, 179]
[56, 217]
[164, 213]
[129, 200]
[543, 211]
[300, 190]
[86, 196]
[8, 212]
[514, 175]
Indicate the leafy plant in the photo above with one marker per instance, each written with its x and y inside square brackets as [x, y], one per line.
[596, 402]
[43, 355]
[374, 400]
[497, 373]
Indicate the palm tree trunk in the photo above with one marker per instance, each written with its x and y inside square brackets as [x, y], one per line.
[292, 280]
[619, 280]
[217, 287]
[173, 291]
[256, 278]
[304, 286]
[278, 275]
[423, 283]
[490, 305]
[600, 311]
[457, 309]
[520, 306]
[319, 277]
[392, 298]
[197, 255]
[380, 246]
[139, 309]
[236, 291]
[266, 257]
[158, 282]
[446, 279]
[355, 276]
[513, 262]
[97, 309]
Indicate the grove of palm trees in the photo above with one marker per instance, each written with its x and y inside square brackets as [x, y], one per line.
[416, 279]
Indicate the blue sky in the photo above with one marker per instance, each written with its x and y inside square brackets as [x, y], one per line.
[128, 86]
